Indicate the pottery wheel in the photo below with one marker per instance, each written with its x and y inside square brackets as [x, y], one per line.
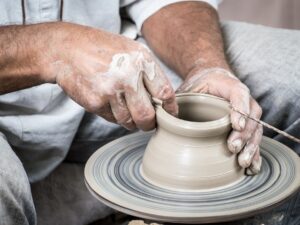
[113, 175]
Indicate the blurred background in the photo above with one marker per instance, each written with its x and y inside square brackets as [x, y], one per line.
[275, 13]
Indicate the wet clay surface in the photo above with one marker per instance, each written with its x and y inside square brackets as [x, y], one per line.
[190, 153]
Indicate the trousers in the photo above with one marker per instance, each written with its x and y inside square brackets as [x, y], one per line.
[265, 59]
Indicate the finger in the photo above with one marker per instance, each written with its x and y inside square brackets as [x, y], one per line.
[235, 143]
[240, 100]
[237, 139]
[256, 165]
[140, 106]
[121, 112]
[246, 157]
[106, 113]
[160, 87]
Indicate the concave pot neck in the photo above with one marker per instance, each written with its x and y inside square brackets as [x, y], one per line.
[211, 107]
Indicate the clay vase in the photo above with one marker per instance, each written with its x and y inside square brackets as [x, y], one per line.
[190, 153]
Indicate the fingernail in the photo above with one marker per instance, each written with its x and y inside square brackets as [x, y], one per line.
[242, 123]
[236, 145]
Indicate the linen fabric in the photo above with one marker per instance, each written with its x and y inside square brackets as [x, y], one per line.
[270, 68]
[39, 125]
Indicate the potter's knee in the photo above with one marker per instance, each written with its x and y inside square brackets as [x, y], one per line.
[14, 180]
[12, 172]
[16, 205]
[285, 96]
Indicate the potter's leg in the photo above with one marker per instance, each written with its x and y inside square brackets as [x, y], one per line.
[93, 133]
[16, 205]
[267, 61]
[62, 197]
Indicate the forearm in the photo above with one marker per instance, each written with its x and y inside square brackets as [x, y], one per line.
[21, 51]
[185, 36]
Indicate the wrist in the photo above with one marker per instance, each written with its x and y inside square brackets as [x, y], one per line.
[199, 73]
[26, 53]
[49, 48]
[206, 68]
[200, 79]
[20, 58]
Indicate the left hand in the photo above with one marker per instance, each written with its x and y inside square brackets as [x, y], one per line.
[247, 134]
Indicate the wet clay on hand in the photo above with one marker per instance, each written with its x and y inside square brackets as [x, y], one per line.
[246, 135]
[108, 74]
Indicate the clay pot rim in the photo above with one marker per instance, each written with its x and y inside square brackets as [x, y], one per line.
[183, 126]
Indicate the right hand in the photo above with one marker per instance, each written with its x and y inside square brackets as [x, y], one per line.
[246, 135]
[108, 74]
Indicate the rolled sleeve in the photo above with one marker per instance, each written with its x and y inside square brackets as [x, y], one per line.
[140, 10]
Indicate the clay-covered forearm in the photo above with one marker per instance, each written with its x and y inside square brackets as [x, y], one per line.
[21, 48]
[186, 35]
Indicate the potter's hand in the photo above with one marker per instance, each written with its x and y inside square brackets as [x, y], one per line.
[247, 134]
[108, 75]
